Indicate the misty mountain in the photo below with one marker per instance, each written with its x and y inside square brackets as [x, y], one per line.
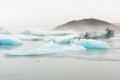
[89, 24]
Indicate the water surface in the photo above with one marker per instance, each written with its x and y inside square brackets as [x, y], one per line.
[93, 64]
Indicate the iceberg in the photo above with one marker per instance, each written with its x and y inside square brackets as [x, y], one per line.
[64, 39]
[22, 37]
[26, 37]
[10, 41]
[95, 44]
[48, 48]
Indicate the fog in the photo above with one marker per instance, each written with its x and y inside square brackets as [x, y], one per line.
[55, 12]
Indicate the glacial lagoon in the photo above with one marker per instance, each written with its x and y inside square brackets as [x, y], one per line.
[62, 64]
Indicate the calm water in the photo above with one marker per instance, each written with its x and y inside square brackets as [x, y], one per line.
[92, 64]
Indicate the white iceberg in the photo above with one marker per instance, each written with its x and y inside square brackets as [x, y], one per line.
[53, 47]
[89, 43]
[26, 37]
[22, 37]
[63, 39]
[48, 48]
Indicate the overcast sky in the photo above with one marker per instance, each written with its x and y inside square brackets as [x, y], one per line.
[55, 12]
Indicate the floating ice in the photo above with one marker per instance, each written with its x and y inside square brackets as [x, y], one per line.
[64, 39]
[89, 43]
[53, 47]
[22, 37]
[48, 48]
[22, 53]
[10, 41]
[94, 35]
[26, 37]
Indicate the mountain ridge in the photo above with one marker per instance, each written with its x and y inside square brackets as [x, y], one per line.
[89, 24]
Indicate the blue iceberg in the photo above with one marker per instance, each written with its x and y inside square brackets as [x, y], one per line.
[95, 44]
[10, 41]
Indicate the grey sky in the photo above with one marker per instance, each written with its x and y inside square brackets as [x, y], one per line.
[55, 12]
